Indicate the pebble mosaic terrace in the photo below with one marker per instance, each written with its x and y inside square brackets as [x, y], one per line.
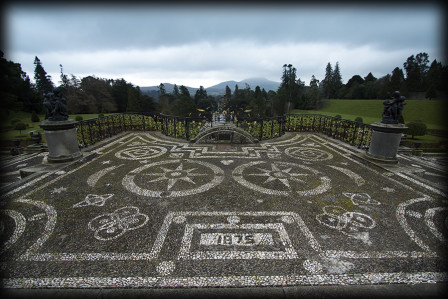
[144, 210]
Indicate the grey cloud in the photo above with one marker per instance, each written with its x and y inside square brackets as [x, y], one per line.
[96, 28]
[220, 41]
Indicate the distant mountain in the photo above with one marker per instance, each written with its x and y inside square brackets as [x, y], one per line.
[151, 90]
[218, 89]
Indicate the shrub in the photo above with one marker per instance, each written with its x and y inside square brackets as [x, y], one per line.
[359, 119]
[416, 128]
[338, 116]
[34, 117]
[78, 118]
[19, 126]
[100, 115]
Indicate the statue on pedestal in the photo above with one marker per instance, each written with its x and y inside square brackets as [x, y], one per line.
[392, 110]
[59, 131]
[56, 105]
[387, 134]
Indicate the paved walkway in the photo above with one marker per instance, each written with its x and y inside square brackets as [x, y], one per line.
[144, 210]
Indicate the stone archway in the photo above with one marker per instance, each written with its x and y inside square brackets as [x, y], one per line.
[224, 134]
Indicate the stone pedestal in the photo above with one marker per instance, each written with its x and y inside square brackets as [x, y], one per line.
[61, 140]
[385, 142]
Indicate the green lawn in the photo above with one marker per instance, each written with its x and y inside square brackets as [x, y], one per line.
[7, 133]
[430, 112]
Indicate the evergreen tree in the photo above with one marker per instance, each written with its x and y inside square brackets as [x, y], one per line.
[259, 103]
[369, 84]
[264, 93]
[332, 81]
[326, 83]
[382, 86]
[279, 102]
[184, 91]
[228, 93]
[175, 90]
[434, 76]
[313, 95]
[133, 104]
[289, 88]
[336, 79]
[16, 90]
[396, 80]
[119, 92]
[64, 80]
[162, 90]
[370, 78]
[201, 94]
[43, 81]
[314, 82]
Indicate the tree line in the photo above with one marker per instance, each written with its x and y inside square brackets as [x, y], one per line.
[418, 77]
[100, 95]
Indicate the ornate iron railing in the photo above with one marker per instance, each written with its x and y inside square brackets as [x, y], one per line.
[181, 127]
[96, 129]
[93, 130]
[355, 133]
[263, 128]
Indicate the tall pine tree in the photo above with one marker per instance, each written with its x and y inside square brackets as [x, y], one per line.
[43, 80]
[133, 104]
[336, 79]
[327, 81]
[396, 80]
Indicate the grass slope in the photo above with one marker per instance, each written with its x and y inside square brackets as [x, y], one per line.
[432, 113]
[7, 133]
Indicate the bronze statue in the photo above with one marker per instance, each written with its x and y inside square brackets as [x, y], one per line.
[392, 110]
[56, 105]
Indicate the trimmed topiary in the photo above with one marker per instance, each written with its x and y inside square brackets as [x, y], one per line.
[416, 128]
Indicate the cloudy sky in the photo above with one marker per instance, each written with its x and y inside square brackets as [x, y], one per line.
[205, 44]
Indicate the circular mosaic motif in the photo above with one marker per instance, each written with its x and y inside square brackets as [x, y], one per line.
[425, 220]
[308, 154]
[13, 225]
[173, 178]
[140, 152]
[281, 178]
[19, 228]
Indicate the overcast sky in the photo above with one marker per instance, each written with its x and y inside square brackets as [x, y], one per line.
[207, 44]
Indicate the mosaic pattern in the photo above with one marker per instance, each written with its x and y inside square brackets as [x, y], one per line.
[281, 178]
[153, 212]
[353, 224]
[308, 154]
[172, 178]
[140, 152]
[113, 225]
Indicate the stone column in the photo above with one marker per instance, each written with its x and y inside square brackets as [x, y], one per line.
[61, 140]
[385, 142]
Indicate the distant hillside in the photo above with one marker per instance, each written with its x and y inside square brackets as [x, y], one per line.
[153, 91]
[218, 89]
